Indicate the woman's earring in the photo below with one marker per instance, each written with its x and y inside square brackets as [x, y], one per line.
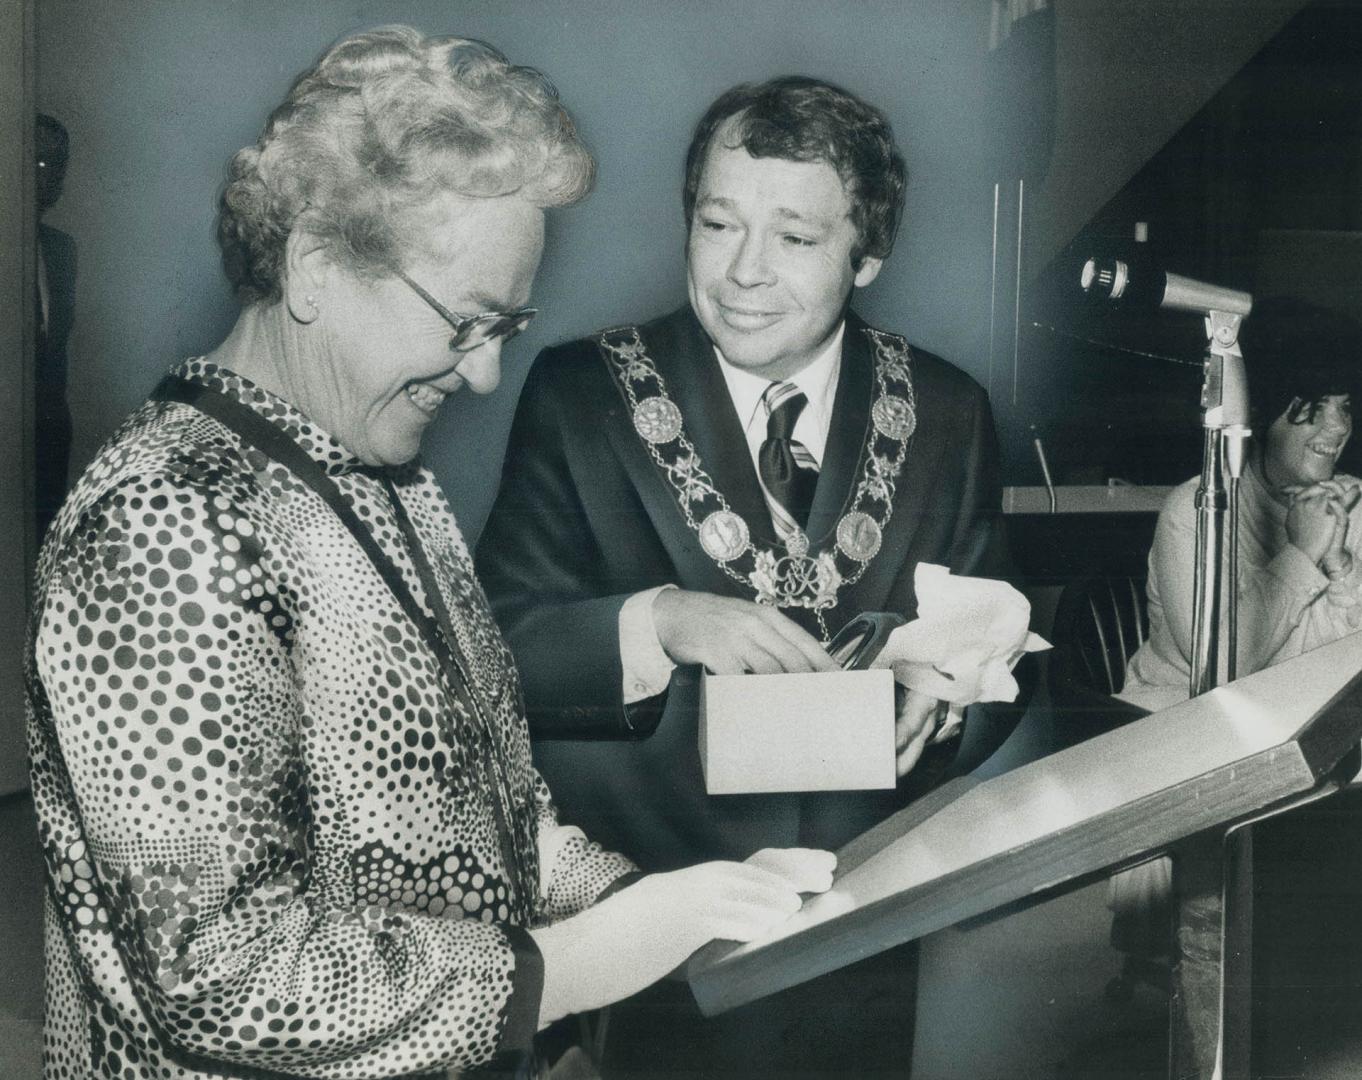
[309, 311]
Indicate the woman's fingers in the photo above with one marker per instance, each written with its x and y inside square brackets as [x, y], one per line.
[807, 870]
[744, 900]
[751, 907]
[736, 902]
[1338, 545]
[745, 922]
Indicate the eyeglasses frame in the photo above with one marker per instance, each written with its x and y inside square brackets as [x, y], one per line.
[463, 324]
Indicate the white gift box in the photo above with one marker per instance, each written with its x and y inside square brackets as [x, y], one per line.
[823, 731]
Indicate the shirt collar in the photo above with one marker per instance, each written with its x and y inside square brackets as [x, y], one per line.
[319, 445]
[817, 381]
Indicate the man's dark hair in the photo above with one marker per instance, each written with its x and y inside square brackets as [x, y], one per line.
[1297, 354]
[801, 119]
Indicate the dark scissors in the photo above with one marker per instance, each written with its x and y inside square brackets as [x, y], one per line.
[856, 645]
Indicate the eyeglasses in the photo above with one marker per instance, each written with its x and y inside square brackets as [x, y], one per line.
[471, 331]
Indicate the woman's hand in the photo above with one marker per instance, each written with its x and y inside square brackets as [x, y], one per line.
[1311, 523]
[635, 937]
[1345, 492]
[1337, 560]
[806, 870]
[1307, 527]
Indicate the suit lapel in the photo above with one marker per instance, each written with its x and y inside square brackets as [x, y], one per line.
[846, 436]
[685, 357]
[920, 475]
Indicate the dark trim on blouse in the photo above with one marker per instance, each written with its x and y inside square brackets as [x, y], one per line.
[527, 993]
[620, 883]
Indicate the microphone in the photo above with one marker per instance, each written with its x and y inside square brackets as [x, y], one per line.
[1148, 286]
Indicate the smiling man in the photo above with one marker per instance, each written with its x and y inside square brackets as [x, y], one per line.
[726, 487]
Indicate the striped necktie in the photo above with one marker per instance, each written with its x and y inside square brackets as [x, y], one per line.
[789, 473]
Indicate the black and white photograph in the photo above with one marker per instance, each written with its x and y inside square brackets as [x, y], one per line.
[680, 539]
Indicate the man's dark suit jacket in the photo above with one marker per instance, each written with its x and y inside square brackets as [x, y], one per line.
[585, 519]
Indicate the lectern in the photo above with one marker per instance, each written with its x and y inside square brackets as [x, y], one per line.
[1180, 780]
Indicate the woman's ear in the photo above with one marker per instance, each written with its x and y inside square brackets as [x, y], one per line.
[307, 271]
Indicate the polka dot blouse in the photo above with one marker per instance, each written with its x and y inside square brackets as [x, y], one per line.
[278, 840]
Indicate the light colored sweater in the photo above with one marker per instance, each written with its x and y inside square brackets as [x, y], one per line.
[1287, 606]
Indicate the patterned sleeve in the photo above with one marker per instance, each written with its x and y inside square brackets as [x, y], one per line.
[182, 791]
[574, 872]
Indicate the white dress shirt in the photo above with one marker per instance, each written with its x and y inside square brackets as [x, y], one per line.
[647, 668]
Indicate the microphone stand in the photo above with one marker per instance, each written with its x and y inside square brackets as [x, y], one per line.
[1224, 404]
[1224, 421]
[1208, 984]
[1213, 873]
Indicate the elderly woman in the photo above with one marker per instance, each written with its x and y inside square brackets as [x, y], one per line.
[279, 756]
[1300, 542]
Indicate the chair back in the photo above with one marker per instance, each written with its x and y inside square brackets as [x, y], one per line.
[1099, 623]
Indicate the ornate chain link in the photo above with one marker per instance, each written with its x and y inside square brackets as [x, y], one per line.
[798, 578]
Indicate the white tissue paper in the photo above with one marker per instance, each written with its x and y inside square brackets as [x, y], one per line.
[968, 635]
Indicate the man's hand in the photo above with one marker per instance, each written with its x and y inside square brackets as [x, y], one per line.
[730, 636]
[918, 717]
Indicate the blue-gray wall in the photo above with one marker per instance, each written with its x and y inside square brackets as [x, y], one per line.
[157, 95]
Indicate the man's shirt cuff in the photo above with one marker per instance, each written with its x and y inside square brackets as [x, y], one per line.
[647, 669]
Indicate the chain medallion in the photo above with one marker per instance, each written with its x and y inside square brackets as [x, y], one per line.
[806, 575]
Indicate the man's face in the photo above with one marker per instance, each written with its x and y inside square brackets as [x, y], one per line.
[769, 258]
